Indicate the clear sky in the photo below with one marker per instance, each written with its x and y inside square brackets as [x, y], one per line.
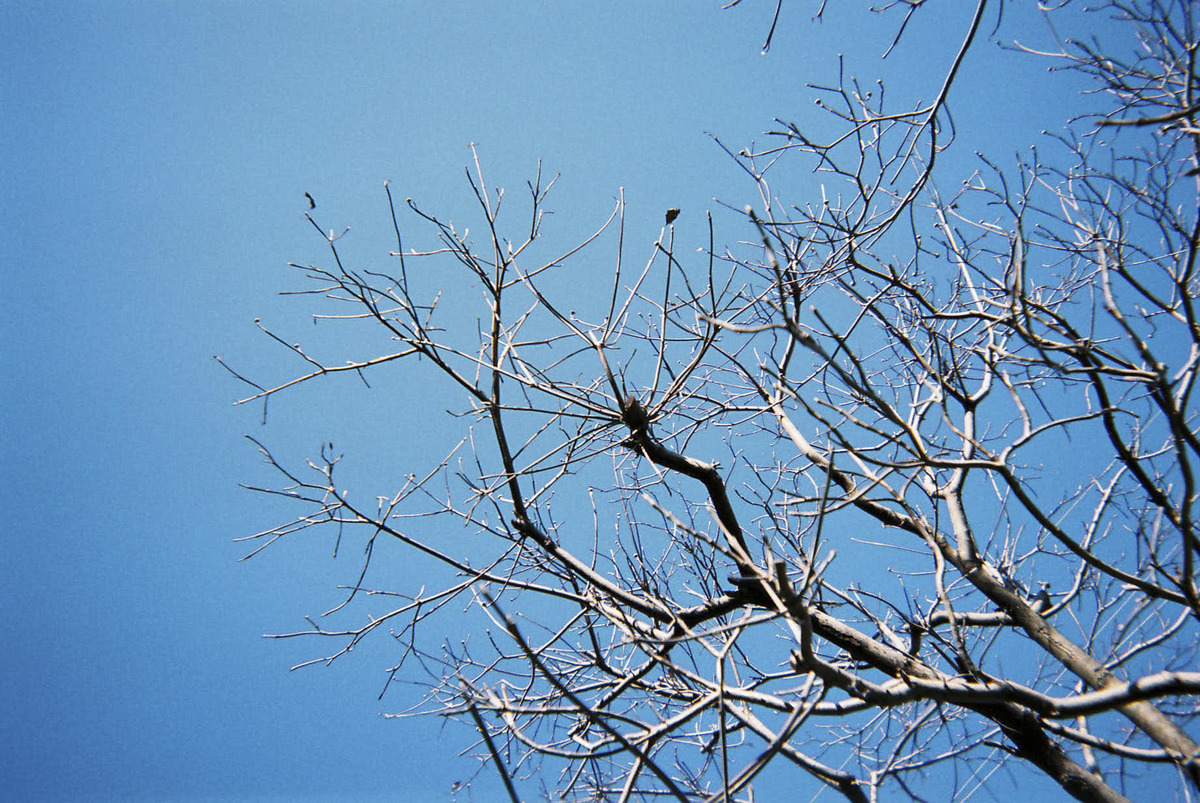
[153, 162]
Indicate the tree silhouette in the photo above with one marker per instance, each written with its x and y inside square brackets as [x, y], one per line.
[906, 479]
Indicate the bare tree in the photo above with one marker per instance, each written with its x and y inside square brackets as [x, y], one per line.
[898, 491]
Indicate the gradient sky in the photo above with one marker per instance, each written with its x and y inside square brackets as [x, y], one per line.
[154, 162]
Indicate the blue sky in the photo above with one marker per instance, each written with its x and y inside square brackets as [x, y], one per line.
[154, 162]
